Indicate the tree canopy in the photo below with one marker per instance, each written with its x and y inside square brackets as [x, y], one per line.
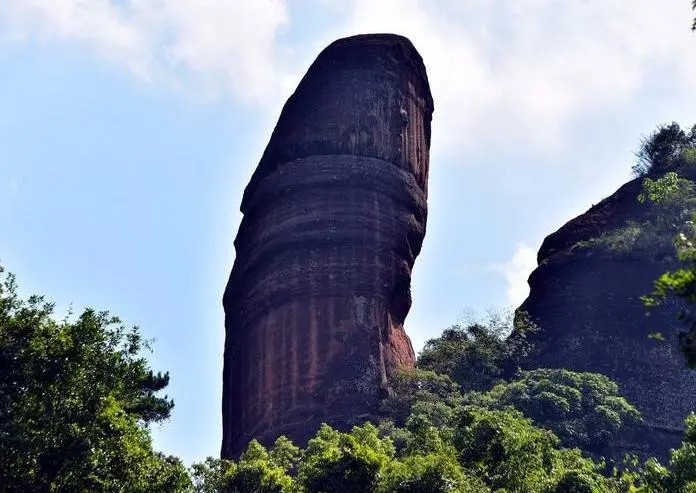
[664, 149]
[76, 398]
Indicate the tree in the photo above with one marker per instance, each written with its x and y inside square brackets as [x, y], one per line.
[677, 197]
[508, 453]
[663, 149]
[487, 451]
[680, 474]
[479, 355]
[681, 283]
[430, 473]
[258, 470]
[336, 462]
[429, 392]
[261, 471]
[76, 398]
[584, 410]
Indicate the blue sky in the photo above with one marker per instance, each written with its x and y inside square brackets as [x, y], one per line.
[129, 129]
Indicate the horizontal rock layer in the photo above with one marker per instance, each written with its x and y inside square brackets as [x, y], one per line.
[586, 301]
[334, 217]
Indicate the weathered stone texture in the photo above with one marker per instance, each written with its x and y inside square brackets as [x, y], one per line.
[334, 216]
[587, 304]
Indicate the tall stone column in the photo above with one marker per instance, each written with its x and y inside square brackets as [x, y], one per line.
[334, 217]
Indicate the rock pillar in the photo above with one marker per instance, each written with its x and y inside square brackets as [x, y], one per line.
[334, 217]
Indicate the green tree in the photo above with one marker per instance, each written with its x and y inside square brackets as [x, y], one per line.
[212, 475]
[681, 283]
[679, 476]
[430, 392]
[676, 197]
[76, 398]
[258, 470]
[430, 473]
[584, 410]
[479, 355]
[664, 149]
[509, 454]
[336, 462]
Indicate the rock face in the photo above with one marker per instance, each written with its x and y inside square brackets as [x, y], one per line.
[585, 297]
[334, 217]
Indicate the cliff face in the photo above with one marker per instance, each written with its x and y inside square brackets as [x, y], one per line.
[585, 297]
[334, 217]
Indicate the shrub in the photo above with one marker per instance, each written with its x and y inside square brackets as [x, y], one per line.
[663, 149]
[584, 410]
[480, 354]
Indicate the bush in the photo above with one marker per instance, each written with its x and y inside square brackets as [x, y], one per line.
[672, 200]
[584, 410]
[505, 450]
[479, 355]
[430, 392]
[663, 149]
[76, 397]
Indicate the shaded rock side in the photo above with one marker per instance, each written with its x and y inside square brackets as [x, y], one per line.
[334, 217]
[585, 297]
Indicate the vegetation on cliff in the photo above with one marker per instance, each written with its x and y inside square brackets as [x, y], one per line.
[679, 196]
[667, 160]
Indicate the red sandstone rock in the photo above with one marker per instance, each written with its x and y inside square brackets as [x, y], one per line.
[586, 300]
[334, 217]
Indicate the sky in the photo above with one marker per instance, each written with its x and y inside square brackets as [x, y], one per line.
[129, 129]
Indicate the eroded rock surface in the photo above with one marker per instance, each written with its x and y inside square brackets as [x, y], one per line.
[585, 296]
[334, 217]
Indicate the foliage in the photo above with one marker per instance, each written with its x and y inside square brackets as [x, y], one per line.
[75, 401]
[508, 453]
[680, 474]
[489, 451]
[677, 195]
[681, 283]
[479, 355]
[212, 475]
[622, 240]
[430, 473]
[584, 410]
[344, 462]
[77, 398]
[673, 200]
[669, 188]
[426, 391]
[663, 150]
[258, 470]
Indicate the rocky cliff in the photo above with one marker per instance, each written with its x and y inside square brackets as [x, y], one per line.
[334, 217]
[585, 297]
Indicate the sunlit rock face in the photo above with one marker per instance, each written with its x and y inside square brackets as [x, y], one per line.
[585, 295]
[334, 217]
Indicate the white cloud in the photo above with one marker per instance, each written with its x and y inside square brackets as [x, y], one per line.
[504, 73]
[525, 71]
[516, 270]
[220, 45]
